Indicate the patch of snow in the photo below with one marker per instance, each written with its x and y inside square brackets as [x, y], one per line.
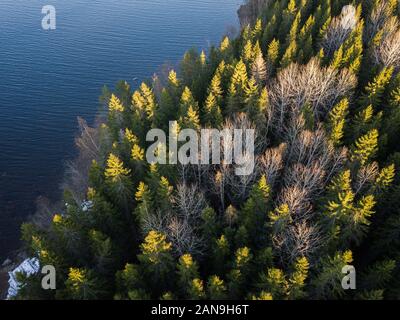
[28, 266]
[86, 205]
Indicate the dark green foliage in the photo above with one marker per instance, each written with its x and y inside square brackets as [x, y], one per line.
[324, 192]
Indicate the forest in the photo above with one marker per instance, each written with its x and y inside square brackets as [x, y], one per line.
[319, 82]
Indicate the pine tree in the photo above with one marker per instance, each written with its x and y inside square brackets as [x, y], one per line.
[118, 179]
[270, 30]
[102, 248]
[337, 121]
[203, 58]
[280, 218]
[130, 284]
[365, 147]
[143, 197]
[191, 120]
[212, 112]
[385, 177]
[376, 277]
[348, 220]
[339, 204]
[216, 288]
[272, 56]
[327, 283]
[241, 269]
[115, 170]
[115, 104]
[289, 15]
[364, 121]
[237, 94]
[296, 281]
[196, 290]
[221, 251]
[187, 273]
[143, 101]
[289, 55]
[257, 30]
[167, 110]
[273, 281]
[81, 285]
[322, 19]
[252, 216]
[115, 117]
[247, 54]
[215, 85]
[391, 119]
[225, 44]
[305, 41]
[187, 103]
[375, 89]
[156, 261]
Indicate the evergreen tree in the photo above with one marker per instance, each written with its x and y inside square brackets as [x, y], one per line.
[237, 89]
[327, 283]
[252, 216]
[81, 285]
[365, 147]
[156, 261]
[337, 121]
[216, 288]
[376, 88]
[272, 55]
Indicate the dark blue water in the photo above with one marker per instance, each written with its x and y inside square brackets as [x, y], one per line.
[48, 78]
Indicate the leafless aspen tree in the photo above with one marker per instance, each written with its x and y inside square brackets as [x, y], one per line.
[259, 70]
[249, 11]
[339, 29]
[299, 85]
[366, 176]
[298, 200]
[180, 223]
[183, 238]
[88, 143]
[189, 201]
[377, 19]
[387, 52]
[298, 240]
[271, 163]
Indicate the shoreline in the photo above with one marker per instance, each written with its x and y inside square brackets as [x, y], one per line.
[244, 13]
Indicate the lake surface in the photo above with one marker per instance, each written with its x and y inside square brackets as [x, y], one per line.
[48, 78]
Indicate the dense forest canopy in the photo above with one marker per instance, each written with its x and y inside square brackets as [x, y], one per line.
[319, 82]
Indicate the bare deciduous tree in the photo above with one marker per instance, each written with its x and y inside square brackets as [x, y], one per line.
[387, 52]
[259, 70]
[298, 240]
[251, 10]
[313, 146]
[298, 200]
[181, 222]
[376, 21]
[365, 176]
[299, 85]
[271, 163]
[88, 143]
[45, 210]
[189, 201]
[339, 29]
[183, 238]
